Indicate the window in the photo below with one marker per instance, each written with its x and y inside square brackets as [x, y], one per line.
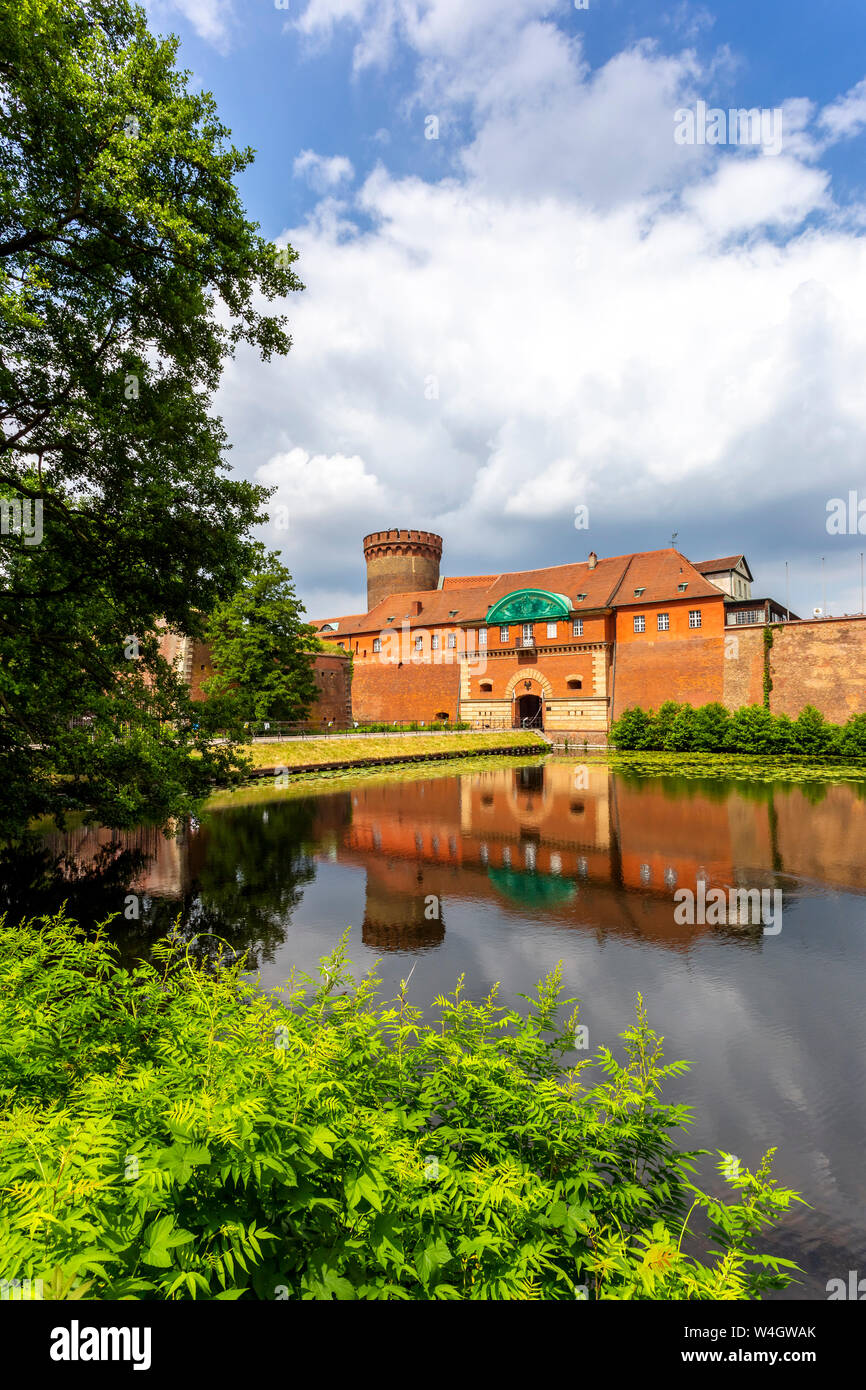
[503, 634]
[377, 644]
[579, 598]
[453, 613]
[694, 617]
[341, 644]
[452, 640]
[577, 627]
[748, 615]
[551, 629]
[664, 621]
[575, 683]
[528, 635]
[682, 588]
[482, 637]
[639, 623]
[486, 686]
[638, 592]
[434, 642]
[419, 643]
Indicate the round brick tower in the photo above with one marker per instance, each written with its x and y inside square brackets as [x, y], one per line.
[399, 562]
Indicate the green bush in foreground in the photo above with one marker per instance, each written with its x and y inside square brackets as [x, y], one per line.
[171, 1134]
[751, 729]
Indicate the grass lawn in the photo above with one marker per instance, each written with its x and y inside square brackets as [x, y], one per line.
[295, 753]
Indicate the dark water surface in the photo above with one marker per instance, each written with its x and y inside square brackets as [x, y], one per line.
[535, 864]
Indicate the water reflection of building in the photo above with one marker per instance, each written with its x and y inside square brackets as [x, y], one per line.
[401, 911]
[166, 870]
[584, 848]
[590, 849]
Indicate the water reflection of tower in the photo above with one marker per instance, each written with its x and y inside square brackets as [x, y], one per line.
[400, 912]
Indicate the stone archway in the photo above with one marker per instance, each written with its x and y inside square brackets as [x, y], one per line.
[529, 673]
[527, 690]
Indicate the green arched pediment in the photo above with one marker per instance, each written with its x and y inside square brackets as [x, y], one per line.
[523, 605]
[531, 890]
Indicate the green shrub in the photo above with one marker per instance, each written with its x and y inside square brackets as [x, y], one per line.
[751, 729]
[710, 728]
[171, 1133]
[633, 729]
[813, 736]
[662, 724]
[681, 734]
[852, 737]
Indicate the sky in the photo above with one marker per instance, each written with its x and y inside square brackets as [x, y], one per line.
[536, 297]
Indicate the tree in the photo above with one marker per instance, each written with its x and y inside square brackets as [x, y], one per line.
[261, 649]
[128, 274]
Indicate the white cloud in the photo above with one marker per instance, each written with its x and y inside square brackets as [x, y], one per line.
[847, 115]
[747, 193]
[323, 173]
[583, 312]
[312, 486]
[212, 20]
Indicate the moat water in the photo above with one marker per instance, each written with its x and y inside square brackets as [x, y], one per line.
[527, 865]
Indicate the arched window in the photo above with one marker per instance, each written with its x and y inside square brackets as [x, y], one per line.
[575, 683]
[486, 686]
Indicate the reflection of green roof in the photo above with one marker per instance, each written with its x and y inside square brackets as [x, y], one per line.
[531, 890]
[525, 604]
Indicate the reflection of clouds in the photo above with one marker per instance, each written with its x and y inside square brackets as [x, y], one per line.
[773, 1026]
[769, 1065]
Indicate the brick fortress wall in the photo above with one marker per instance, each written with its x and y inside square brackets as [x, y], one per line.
[332, 672]
[820, 662]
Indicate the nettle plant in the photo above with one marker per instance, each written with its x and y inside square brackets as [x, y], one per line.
[171, 1132]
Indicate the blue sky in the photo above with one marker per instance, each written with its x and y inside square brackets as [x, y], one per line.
[553, 303]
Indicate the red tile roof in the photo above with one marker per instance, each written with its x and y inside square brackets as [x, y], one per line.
[469, 581]
[611, 583]
[727, 562]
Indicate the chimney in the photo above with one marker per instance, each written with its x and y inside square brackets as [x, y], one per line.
[593, 559]
[415, 607]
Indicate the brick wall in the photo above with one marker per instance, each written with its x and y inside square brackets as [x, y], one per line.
[681, 663]
[744, 667]
[383, 691]
[821, 663]
[333, 674]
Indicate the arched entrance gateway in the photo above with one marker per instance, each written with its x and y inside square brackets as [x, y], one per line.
[529, 712]
[528, 690]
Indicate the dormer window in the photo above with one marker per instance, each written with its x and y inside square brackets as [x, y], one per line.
[453, 613]
[391, 619]
[638, 592]
[682, 588]
[578, 598]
